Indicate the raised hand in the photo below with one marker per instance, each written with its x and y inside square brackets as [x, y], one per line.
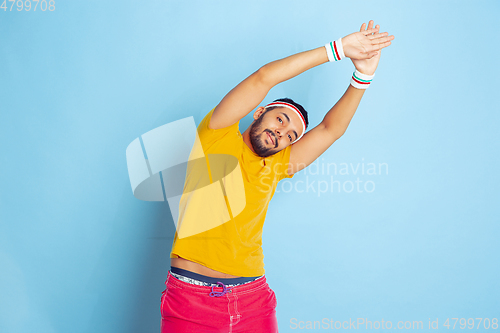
[364, 44]
[366, 61]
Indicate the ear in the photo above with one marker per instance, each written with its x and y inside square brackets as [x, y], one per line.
[260, 110]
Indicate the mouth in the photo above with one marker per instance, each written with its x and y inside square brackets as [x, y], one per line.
[270, 138]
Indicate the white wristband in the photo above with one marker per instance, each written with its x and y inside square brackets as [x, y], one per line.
[335, 51]
[360, 80]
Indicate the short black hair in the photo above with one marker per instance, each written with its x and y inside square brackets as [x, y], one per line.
[297, 105]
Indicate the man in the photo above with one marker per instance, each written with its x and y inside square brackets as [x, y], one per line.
[217, 282]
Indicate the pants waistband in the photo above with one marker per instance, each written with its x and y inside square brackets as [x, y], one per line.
[197, 289]
[202, 280]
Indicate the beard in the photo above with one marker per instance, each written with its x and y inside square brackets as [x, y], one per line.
[257, 142]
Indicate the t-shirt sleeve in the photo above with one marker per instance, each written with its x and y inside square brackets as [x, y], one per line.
[209, 136]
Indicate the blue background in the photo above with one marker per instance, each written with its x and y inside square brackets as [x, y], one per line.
[78, 253]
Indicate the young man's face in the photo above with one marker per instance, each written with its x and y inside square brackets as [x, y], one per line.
[274, 130]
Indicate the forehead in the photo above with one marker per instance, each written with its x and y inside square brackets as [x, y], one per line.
[291, 116]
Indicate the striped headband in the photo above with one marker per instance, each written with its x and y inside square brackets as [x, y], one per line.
[293, 108]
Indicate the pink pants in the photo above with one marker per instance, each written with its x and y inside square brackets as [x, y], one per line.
[246, 308]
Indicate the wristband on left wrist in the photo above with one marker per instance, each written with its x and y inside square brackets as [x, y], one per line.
[335, 50]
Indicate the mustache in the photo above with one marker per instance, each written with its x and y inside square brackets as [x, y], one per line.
[274, 137]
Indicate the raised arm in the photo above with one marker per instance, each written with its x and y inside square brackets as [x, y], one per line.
[335, 123]
[247, 95]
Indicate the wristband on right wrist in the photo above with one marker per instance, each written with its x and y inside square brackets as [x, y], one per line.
[360, 80]
[335, 51]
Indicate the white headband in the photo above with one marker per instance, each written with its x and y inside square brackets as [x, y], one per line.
[293, 108]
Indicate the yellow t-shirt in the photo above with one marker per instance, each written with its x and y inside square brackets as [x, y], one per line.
[225, 200]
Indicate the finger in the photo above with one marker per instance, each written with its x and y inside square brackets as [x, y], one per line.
[382, 40]
[362, 27]
[378, 35]
[370, 31]
[370, 24]
[380, 46]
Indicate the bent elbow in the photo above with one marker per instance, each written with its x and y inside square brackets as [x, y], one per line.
[338, 136]
[262, 76]
[334, 132]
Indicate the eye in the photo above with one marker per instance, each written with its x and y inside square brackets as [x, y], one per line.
[281, 121]
[290, 137]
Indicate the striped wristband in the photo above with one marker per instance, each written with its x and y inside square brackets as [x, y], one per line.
[335, 50]
[360, 80]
